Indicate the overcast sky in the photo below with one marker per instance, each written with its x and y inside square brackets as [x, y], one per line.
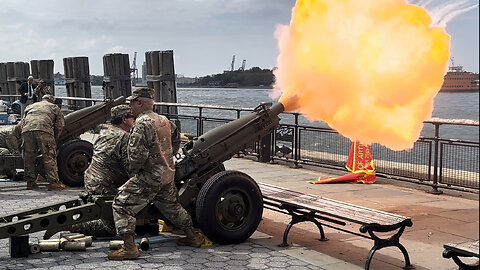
[204, 34]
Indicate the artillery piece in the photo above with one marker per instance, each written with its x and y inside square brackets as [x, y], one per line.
[226, 205]
[73, 154]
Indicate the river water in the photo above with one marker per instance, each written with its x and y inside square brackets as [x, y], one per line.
[446, 105]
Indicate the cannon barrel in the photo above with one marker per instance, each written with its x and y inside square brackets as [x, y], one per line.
[221, 143]
[87, 118]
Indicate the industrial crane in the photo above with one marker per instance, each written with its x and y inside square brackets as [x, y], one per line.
[233, 62]
[242, 68]
[134, 70]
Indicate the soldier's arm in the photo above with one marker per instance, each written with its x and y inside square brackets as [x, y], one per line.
[176, 139]
[48, 90]
[138, 147]
[123, 152]
[59, 122]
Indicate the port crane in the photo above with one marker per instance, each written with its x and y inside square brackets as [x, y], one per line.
[134, 70]
[242, 68]
[233, 63]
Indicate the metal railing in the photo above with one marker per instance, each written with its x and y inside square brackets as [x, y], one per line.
[434, 161]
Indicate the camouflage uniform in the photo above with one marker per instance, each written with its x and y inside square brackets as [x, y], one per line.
[41, 90]
[41, 126]
[10, 140]
[151, 164]
[107, 171]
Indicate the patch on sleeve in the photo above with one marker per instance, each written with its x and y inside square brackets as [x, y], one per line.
[134, 139]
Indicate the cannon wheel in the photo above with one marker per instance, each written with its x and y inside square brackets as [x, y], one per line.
[73, 159]
[229, 207]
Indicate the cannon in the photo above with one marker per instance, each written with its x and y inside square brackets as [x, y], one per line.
[73, 154]
[226, 205]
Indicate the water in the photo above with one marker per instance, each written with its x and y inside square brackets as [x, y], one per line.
[446, 105]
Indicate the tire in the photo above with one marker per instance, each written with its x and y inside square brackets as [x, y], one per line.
[73, 159]
[229, 207]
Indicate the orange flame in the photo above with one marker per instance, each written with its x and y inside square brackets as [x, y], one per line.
[369, 68]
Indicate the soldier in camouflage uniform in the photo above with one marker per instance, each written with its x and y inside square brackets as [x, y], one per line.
[41, 127]
[107, 170]
[151, 164]
[10, 140]
[41, 90]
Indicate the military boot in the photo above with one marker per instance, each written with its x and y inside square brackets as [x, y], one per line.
[192, 239]
[129, 251]
[32, 185]
[50, 232]
[56, 186]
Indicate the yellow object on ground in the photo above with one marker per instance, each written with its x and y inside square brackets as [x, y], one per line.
[164, 227]
[40, 178]
[205, 241]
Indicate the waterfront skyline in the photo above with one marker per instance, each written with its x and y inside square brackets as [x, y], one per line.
[204, 34]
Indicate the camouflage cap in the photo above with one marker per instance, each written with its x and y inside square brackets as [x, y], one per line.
[142, 92]
[41, 81]
[120, 110]
[49, 98]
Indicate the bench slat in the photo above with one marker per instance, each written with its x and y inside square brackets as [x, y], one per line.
[469, 248]
[353, 213]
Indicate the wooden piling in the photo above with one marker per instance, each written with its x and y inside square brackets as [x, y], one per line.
[116, 75]
[43, 70]
[161, 77]
[17, 73]
[77, 80]
[3, 81]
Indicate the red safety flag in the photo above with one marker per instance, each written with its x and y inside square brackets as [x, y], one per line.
[360, 164]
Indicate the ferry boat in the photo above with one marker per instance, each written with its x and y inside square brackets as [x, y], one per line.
[459, 80]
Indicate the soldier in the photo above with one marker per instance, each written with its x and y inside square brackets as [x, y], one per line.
[41, 127]
[151, 164]
[107, 171]
[10, 140]
[41, 90]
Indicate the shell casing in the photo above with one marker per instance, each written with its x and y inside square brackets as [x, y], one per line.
[115, 244]
[87, 239]
[34, 248]
[144, 244]
[75, 236]
[74, 246]
[49, 245]
[62, 241]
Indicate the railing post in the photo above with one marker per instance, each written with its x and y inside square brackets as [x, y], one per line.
[296, 142]
[200, 122]
[238, 116]
[436, 140]
[265, 154]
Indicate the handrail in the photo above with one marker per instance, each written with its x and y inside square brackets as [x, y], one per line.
[435, 159]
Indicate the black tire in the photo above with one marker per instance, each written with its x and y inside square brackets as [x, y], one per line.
[229, 207]
[73, 158]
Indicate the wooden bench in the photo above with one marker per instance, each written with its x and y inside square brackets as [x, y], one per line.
[464, 249]
[335, 214]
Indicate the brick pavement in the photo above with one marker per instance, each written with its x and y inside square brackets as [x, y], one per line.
[167, 255]
[436, 220]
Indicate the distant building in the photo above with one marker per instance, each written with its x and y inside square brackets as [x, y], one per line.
[185, 81]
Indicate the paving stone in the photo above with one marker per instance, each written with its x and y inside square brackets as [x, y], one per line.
[252, 254]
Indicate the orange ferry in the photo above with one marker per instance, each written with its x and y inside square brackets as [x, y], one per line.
[459, 80]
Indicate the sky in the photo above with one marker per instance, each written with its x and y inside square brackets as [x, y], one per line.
[203, 34]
